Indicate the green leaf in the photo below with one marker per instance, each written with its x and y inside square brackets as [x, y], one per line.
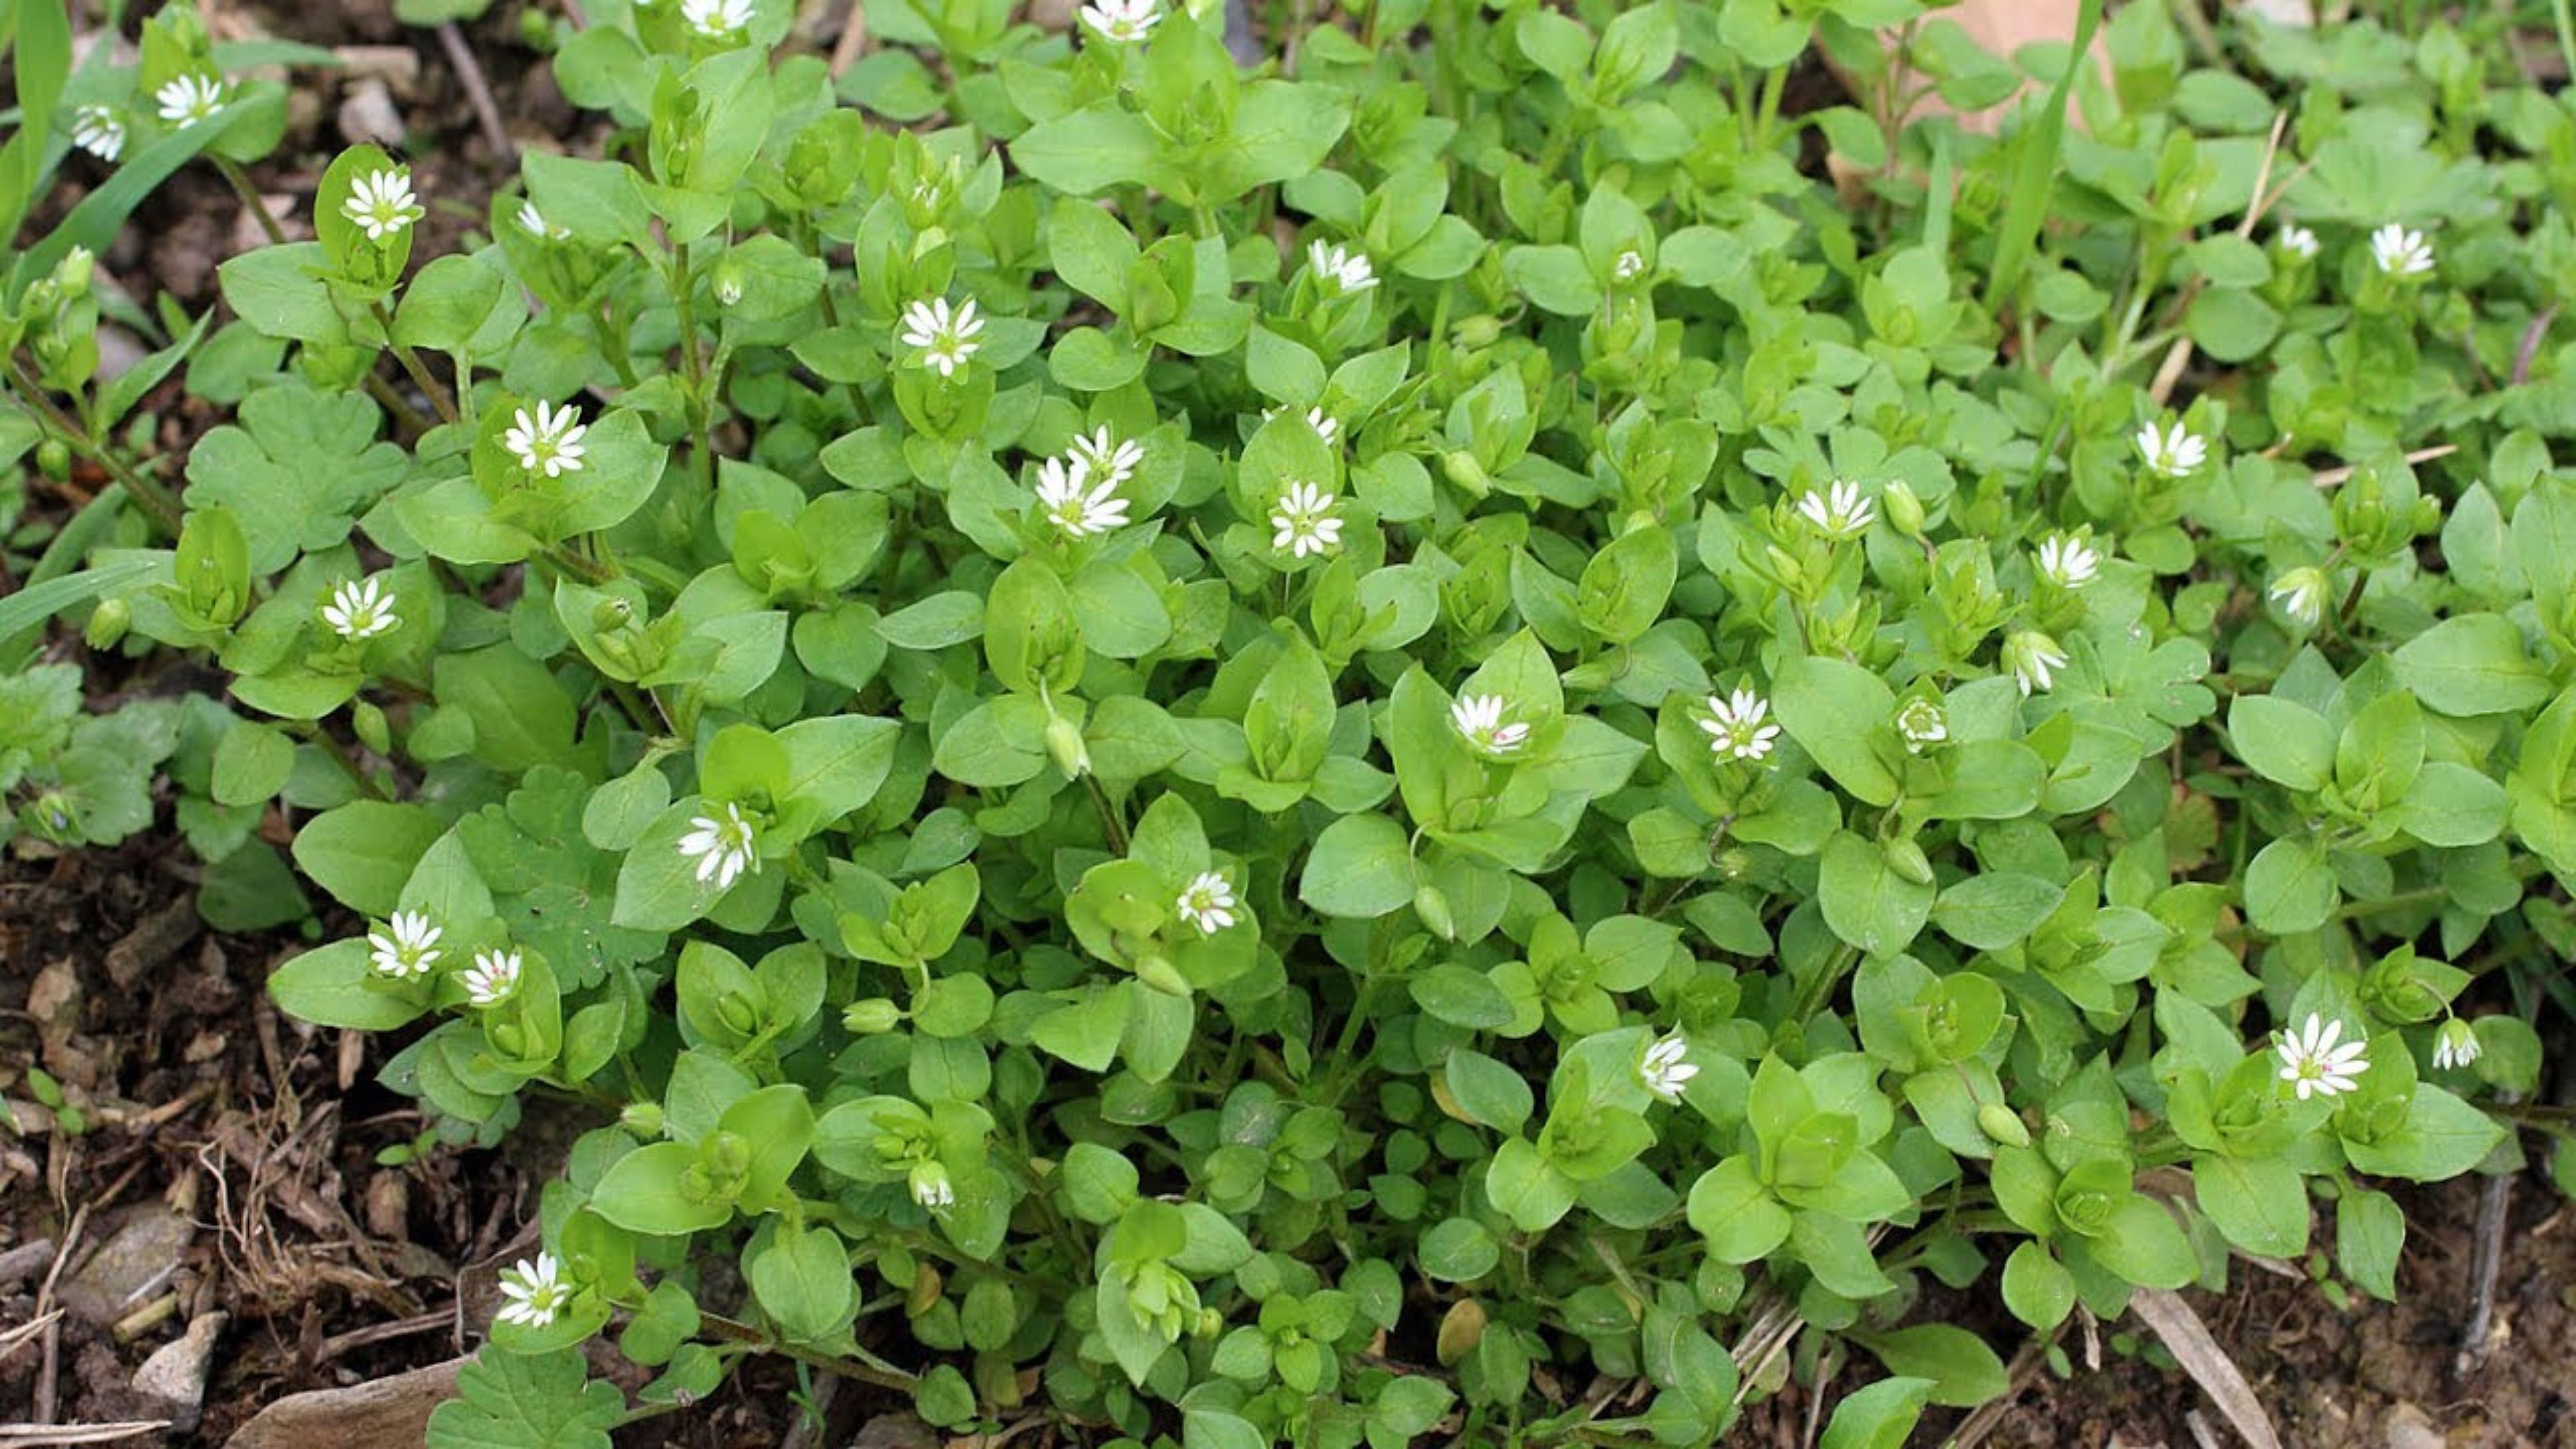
[1458, 1250]
[364, 851]
[1361, 867]
[1461, 997]
[2258, 1202]
[527, 1401]
[2286, 743]
[333, 985]
[1963, 1370]
[1993, 911]
[2370, 1233]
[1088, 151]
[1865, 901]
[1880, 1416]
[801, 1275]
[2290, 887]
[1834, 710]
[1731, 1208]
[644, 1192]
[2472, 664]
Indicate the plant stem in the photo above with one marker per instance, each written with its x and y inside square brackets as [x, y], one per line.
[31, 396]
[415, 368]
[1108, 815]
[239, 180]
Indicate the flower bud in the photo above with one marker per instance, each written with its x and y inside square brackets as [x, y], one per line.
[107, 623]
[368, 722]
[1064, 746]
[1159, 973]
[2455, 1045]
[642, 1119]
[54, 457]
[1432, 907]
[1904, 509]
[728, 282]
[871, 1016]
[1210, 1323]
[72, 273]
[2002, 1124]
[1479, 331]
[1460, 467]
[1907, 859]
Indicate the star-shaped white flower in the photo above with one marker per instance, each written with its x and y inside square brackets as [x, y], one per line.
[1479, 718]
[2175, 452]
[1122, 20]
[547, 441]
[2301, 593]
[1839, 513]
[361, 610]
[1736, 726]
[1107, 455]
[717, 19]
[493, 978]
[2067, 561]
[1922, 724]
[2313, 1065]
[2401, 251]
[1302, 521]
[1073, 505]
[1208, 903]
[2455, 1045]
[1666, 1069]
[1341, 269]
[946, 338]
[381, 203]
[406, 948]
[724, 846]
[534, 223]
[931, 1187]
[1630, 266]
[100, 131]
[534, 1292]
[2034, 660]
[189, 99]
[2297, 240]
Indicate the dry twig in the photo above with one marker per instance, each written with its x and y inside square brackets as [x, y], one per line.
[478, 92]
[40, 1436]
[2208, 1364]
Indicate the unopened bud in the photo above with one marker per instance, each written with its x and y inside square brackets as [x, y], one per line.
[1479, 331]
[643, 1119]
[72, 273]
[1064, 746]
[1907, 859]
[1904, 510]
[54, 457]
[368, 722]
[1460, 467]
[107, 623]
[869, 1017]
[2002, 1124]
[1159, 973]
[1431, 906]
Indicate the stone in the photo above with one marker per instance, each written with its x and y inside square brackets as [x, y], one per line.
[131, 1265]
[388, 1411]
[2408, 1427]
[174, 1377]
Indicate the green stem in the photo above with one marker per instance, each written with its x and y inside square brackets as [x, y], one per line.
[239, 180]
[414, 368]
[31, 397]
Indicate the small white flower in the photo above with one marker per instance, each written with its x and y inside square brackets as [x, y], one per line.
[2312, 1064]
[548, 442]
[728, 287]
[723, 846]
[1303, 522]
[1666, 1069]
[947, 338]
[1122, 20]
[535, 1291]
[1922, 723]
[1839, 513]
[2401, 251]
[361, 610]
[931, 1187]
[1630, 266]
[406, 947]
[1736, 727]
[100, 131]
[2297, 240]
[1072, 509]
[1208, 904]
[381, 204]
[2301, 593]
[2175, 452]
[1108, 456]
[190, 99]
[2067, 561]
[1479, 718]
[1316, 418]
[534, 223]
[1346, 270]
[2455, 1045]
[2034, 660]
[717, 19]
[492, 978]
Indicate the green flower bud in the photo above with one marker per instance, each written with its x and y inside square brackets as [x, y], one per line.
[1064, 746]
[642, 1119]
[1460, 467]
[739, 1013]
[1157, 972]
[2002, 1124]
[54, 457]
[1432, 908]
[1210, 1324]
[1904, 509]
[368, 722]
[72, 273]
[107, 623]
[1479, 331]
[872, 1016]
[1907, 859]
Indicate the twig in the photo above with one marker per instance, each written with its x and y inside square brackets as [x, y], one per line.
[340, 1343]
[2332, 476]
[478, 92]
[853, 41]
[54, 1326]
[2524, 355]
[25, 1333]
[2485, 1266]
[34, 1436]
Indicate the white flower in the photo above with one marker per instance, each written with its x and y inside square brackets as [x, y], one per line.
[548, 442]
[1122, 20]
[2455, 1045]
[728, 287]
[2034, 660]
[381, 204]
[723, 846]
[1922, 723]
[2297, 240]
[534, 223]
[2175, 452]
[1840, 513]
[717, 19]
[947, 338]
[1316, 418]
[1303, 521]
[1630, 266]
[492, 978]
[2401, 251]
[536, 1292]
[1106, 455]
[2067, 561]
[360, 611]
[100, 131]
[406, 947]
[1078, 513]
[2301, 593]
[2312, 1064]
[1735, 726]
[1665, 1070]
[1348, 271]
[190, 99]
[1479, 717]
[1208, 904]
[931, 1187]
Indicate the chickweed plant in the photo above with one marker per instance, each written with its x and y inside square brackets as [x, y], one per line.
[1471, 736]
